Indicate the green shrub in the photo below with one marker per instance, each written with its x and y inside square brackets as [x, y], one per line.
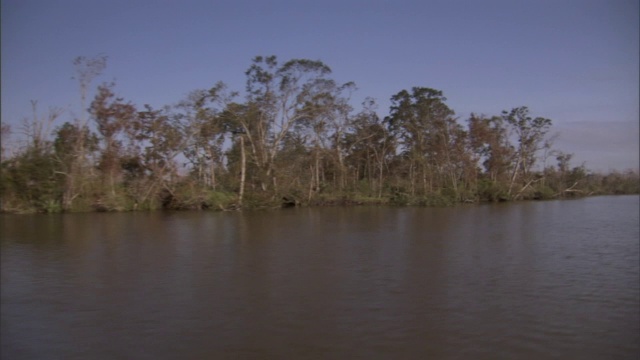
[400, 198]
[220, 199]
[50, 206]
[543, 192]
[436, 200]
[491, 191]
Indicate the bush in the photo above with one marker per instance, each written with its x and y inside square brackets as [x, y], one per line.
[491, 191]
[544, 192]
[399, 197]
[220, 199]
[436, 200]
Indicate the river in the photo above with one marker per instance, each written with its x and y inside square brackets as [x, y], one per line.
[529, 280]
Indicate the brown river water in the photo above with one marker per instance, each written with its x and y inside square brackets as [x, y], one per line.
[531, 280]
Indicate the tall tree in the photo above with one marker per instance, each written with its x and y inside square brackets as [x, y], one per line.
[112, 116]
[370, 147]
[5, 132]
[161, 141]
[64, 144]
[86, 70]
[489, 141]
[280, 94]
[530, 133]
[326, 121]
[422, 121]
[200, 118]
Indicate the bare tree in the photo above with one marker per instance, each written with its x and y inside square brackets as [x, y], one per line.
[37, 130]
[5, 132]
[86, 70]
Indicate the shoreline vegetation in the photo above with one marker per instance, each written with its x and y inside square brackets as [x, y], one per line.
[292, 138]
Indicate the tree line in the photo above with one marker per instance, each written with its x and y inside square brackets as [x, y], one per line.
[292, 137]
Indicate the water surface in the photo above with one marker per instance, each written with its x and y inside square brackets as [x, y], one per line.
[532, 280]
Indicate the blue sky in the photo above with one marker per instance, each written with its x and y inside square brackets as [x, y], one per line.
[573, 61]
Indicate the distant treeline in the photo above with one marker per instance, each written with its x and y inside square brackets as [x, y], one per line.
[292, 138]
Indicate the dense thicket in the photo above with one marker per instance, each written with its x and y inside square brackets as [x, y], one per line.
[293, 138]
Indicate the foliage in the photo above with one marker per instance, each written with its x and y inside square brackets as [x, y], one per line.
[293, 138]
[491, 191]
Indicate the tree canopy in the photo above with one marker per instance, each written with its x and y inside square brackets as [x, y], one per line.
[293, 137]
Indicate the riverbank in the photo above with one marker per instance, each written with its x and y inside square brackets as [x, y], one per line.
[219, 201]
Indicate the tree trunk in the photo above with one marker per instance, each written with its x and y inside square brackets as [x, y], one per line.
[513, 178]
[243, 166]
[380, 179]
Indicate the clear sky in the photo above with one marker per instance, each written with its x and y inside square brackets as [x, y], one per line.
[573, 61]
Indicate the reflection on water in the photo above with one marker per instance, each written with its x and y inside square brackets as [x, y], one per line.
[534, 280]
